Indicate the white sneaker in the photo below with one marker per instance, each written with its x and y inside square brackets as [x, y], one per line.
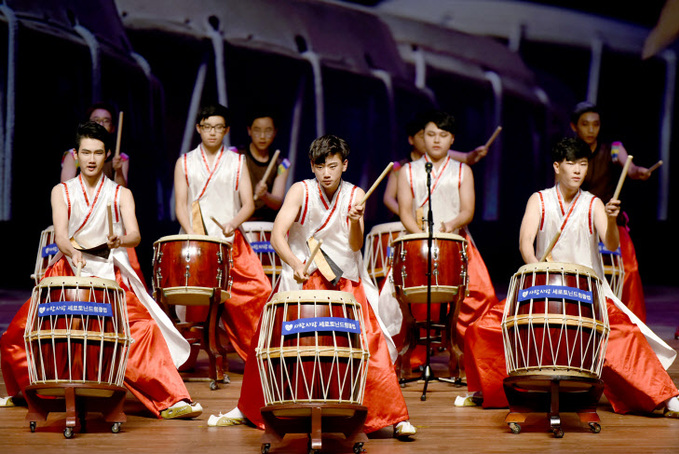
[472, 400]
[224, 421]
[6, 401]
[404, 430]
[182, 410]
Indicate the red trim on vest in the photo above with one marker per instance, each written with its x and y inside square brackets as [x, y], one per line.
[94, 201]
[591, 221]
[334, 206]
[410, 174]
[207, 167]
[306, 203]
[186, 171]
[438, 177]
[351, 198]
[68, 199]
[115, 203]
[240, 166]
[542, 211]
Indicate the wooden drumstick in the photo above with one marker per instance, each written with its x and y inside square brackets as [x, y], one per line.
[551, 246]
[110, 220]
[218, 224]
[625, 168]
[269, 168]
[655, 166]
[313, 254]
[494, 136]
[384, 173]
[79, 269]
[120, 130]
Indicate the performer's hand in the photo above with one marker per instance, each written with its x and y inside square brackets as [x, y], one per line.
[228, 229]
[77, 258]
[117, 163]
[260, 190]
[642, 173]
[299, 275]
[613, 208]
[114, 241]
[356, 213]
[447, 227]
[477, 154]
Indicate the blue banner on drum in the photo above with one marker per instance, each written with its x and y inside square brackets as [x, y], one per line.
[75, 308]
[262, 247]
[603, 250]
[307, 325]
[556, 291]
[50, 249]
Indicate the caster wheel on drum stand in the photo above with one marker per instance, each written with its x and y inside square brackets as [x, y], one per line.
[68, 432]
[213, 385]
[265, 448]
[32, 425]
[515, 427]
[226, 380]
[358, 448]
[115, 428]
[595, 427]
[558, 432]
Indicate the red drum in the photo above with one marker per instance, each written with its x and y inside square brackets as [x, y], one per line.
[379, 247]
[258, 235]
[614, 270]
[77, 331]
[555, 321]
[448, 265]
[187, 268]
[46, 250]
[313, 348]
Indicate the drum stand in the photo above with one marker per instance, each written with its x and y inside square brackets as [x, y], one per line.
[76, 399]
[551, 394]
[312, 418]
[209, 340]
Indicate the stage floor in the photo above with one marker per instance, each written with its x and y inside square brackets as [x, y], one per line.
[442, 427]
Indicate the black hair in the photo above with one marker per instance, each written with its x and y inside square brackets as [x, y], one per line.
[442, 120]
[582, 108]
[416, 124]
[262, 112]
[213, 110]
[570, 149]
[92, 130]
[100, 105]
[328, 145]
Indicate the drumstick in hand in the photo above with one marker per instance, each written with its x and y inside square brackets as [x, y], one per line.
[218, 224]
[384, 173]
[551, 246]
[79, 269]
[313, 254]
[120, 130]
[655, 166]
[269, 169]
[625, 168]
[494, 136]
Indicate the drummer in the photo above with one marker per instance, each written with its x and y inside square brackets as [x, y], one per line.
[212, 182]
[634, 373]
[79, 211]
[452, 201]
[327, 209]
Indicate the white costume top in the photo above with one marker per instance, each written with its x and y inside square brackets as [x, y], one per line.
[215, 187]
[328, 220]
[578, 244]
[88, 224]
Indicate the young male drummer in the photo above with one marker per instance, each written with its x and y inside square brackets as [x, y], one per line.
[634, 373]
[80, 212]
[452, 206]
[213, 182]
[326, 208]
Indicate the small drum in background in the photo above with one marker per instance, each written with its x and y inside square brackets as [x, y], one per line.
[46, 250]
[258, 235]
[313, 348]
[77, 331]
[555, 322]
[614, 270]
[187, 269]
[379, 247]
[448, 265]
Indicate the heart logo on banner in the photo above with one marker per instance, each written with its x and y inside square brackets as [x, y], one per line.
[41, 309]
[524, 293]
[287, 327]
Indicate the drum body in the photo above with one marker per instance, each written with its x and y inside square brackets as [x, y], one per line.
[188, 268]
[258, 235]
[614, 270]
[313, 348]
[378, 249]
[555, 321]
[77, 331]
[46, 250]
[448, 265]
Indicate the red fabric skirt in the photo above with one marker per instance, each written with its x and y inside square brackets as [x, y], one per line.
[632, 290]
[634, 379]
[250, 291]
[150, 374]
[383, 397]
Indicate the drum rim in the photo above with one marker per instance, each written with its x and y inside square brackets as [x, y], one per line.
[557, 266]
[437, 235]
[79, 281]
[314, 294]
[383, 228]
[256, 223]
[191, 237]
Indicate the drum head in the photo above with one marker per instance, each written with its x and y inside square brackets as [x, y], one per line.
[187, 237]
[75, 281]
[436, 236]
[557, 267]
[387, 227]
[311, 295]
[257, 226]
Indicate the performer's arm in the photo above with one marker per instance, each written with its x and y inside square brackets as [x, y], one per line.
[132, 237]
[246, 200]
[181, 194]
[471, 157]
[60, 222]
[68, 167]
[635, 172]
[356, 222]
[121, 167]
[529, 229]
[391, 192]
[467, 201]
[405, 203]
[274, 198]
[286, 217]
[605, 222]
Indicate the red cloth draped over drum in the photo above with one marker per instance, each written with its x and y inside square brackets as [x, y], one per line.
[151, 378]
[383, 397]
[634, 379]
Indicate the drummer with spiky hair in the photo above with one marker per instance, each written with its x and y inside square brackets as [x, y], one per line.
[328, 210]
[80, 213]
[564, 224]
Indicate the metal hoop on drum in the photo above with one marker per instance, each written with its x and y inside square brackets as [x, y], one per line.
[258, 234]
[378, 251]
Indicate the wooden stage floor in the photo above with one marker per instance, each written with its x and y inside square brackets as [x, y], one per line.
[442, 427]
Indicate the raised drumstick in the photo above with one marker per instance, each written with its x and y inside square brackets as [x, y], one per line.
[494, 136]
[625, 168]
[655, 166]
[110, 220]
[384, 173]
[313, 254]
[269, 168]
[120, 130]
